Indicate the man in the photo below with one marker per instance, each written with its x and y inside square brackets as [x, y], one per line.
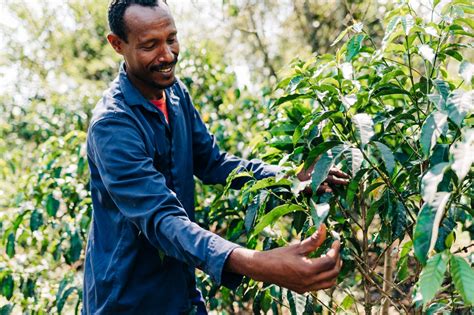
[145, 143]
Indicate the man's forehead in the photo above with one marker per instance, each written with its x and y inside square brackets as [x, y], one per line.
[139, 13]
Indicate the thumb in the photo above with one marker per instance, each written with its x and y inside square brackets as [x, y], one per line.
[314, 241]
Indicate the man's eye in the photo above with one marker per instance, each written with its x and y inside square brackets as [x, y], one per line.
[171, 40]
[148, 47]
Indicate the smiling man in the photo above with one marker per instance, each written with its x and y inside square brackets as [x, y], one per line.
[145, 144]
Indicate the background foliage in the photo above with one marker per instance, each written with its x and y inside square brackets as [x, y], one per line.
[388, 100]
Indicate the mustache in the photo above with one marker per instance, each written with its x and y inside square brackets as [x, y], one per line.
[164, 65]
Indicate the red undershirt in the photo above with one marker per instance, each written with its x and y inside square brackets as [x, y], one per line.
[161, 105]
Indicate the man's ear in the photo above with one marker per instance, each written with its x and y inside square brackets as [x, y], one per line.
[116, 42]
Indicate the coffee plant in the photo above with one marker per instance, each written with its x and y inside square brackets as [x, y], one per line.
[397, 117]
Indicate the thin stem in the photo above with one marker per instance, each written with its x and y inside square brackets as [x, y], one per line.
[365, 250]
[389, 184]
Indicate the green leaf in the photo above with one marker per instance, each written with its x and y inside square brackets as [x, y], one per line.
[391, 27]
[347, 302]
[341, 35]
[36, 220]
[432, 276]
[389, 89]
[443, 88]
[52, 205]
[459, 105]
[290, 97]
[466, 71]
[354, 185]
[322, 167]
[6, 309]
[319, 212]
[431, 180]
[251, 212]
[297, 302]
[435, 125]
[364, 127]
[353, 46]
[320, 149]
[407, 23]
[387, 156]
[354, 159]
[426, 229]
[399, 220]
[266, 301]
[463, 278]
[10, 249]
[269, 182]
[461, 161]
[62, 300]
[454, 53]
[274, 215]
[7, 286]
[75, 248]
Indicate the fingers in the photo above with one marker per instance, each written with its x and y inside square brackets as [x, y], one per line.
[332, 179]
[337, 172]
[324, 188]
[314, 241]
[323, 272]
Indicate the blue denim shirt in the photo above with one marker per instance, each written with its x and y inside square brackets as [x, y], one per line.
[143, 244]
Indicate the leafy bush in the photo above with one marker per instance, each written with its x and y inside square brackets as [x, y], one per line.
[399, 120]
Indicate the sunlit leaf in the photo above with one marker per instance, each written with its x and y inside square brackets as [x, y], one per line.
[432, 276]
[364, 127]
[431, 180]
[355, 159]
[463, 278]
[272, 216]
[459, 104]
[407, 23]
[251, 212]
[319, 212]
[466, 71]
[322, 167]
[297, 302]
[462, 157]
[427, 53]
[435, 125]
[427, 225]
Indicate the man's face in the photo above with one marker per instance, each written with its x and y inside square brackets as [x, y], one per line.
[152, 49]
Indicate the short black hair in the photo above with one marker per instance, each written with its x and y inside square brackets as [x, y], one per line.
[116, 14]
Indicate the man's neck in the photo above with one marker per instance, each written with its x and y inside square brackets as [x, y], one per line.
[148, 92]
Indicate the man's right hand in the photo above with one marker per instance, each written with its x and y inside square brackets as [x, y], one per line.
[290, 266]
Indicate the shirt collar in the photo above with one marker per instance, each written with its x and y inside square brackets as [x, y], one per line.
[134, 97]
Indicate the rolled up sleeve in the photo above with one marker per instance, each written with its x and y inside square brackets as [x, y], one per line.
[140, 192]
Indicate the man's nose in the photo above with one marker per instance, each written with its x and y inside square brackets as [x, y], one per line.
[166, 55]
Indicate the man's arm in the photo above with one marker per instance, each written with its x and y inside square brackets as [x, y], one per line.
[290, 266]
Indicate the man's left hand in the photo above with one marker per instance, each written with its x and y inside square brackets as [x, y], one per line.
[335, 177]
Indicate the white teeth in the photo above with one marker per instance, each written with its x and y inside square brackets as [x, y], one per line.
[165, 70]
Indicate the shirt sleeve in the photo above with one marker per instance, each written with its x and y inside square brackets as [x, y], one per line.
[142, 196]
[213, 166]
